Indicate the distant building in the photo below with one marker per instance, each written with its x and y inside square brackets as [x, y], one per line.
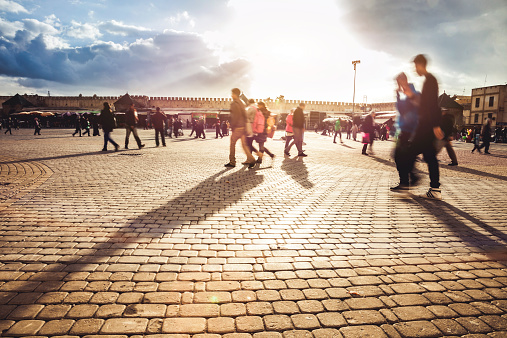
[449, 105]
[489, 102]
[16, 104]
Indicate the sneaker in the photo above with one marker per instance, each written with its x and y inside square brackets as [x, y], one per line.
[302, 155]
[434, 194]
[400, 188]
[116, 147]
[141, 146]
[452, 163]
[252, 165]
[487, 152]
[230, 165]
[364, 154]
[104, 149]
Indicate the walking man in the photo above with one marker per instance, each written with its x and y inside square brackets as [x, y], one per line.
[428, 127]
[158, 120]
[338, 130]
[78, 126]
[8, 126]
[238, 123]
[108, 122]
[131, 120]
[486, 137]
[298, 125]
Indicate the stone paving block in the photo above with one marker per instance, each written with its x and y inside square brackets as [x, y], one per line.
[25, 328]
[276, 322]
[124, 326]
[243, 296]
[162, 297]
[184, 325]
[232, 309]
[56, 327]
[25, 312]
[496, 322]
[418, 329]
[364, 317]
[410, 300]
[250, 324]
[110, 310]
[54, 311]
[221, 325]
[86, 326]
[362, 331]
[199, 310]
[474, 325]
[368, 303]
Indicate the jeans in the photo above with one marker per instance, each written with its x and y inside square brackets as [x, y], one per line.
[288, 144]
[337, 132]
[423, 143]
[162, 136]
[237, 134]
[133, 130]
[107, 138]
[298, 138]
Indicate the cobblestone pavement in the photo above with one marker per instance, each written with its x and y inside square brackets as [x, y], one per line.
[165, 242]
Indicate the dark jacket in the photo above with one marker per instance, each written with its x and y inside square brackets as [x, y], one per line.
[130, 118]
[158, 120]
[238, 114]
[298, 120]
[430, 115]
[368, 126]
[107, 120]
[486, 133]
[448, 125]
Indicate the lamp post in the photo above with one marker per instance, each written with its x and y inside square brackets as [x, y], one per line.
[354, 96]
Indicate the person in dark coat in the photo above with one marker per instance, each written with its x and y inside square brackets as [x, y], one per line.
[368, 128]
[108, 123]
[131, 120]
[486, 137]
[298, 127]
[37, 126]
[218, 128]
[78, 126]
[158, 120]
[8, 126]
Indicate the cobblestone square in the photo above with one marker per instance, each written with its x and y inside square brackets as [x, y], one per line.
[166, 242]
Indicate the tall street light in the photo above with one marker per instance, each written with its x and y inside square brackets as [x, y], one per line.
[354, 96]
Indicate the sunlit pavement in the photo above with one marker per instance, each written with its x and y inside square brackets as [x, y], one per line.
[167, 242]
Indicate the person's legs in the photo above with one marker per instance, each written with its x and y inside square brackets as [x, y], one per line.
[451, 152]
[430, 157]
[162, 136]
[136, 136]
[335, 133]
[106, 138]
[249, 157]
[288, 145]
[128, 130]
[156, 137]
[235, 136]
[298, 139]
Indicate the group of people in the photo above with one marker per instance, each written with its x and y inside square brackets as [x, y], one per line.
[257, 123]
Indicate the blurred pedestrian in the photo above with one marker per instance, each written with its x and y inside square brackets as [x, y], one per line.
[428, 127]
[449, 130]
[8, 126]
[486, 137]
[289, 133]
[218, 128]
[77, 124]
[368, 130]
[86, 125]
[158, 119]
[261, 128]
[251, 112]
[108, 122]
[298, 127]
[338, 130]
[131, 120]
[238, 122]
[95, 125]
[37, 126]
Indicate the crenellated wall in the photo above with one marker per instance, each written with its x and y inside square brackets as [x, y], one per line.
[96, 103]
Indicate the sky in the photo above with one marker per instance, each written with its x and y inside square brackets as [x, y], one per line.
[300, 49]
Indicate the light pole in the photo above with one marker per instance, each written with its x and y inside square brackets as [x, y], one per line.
[354, 96]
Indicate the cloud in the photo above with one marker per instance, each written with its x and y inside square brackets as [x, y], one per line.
[182, 19]
[12, 7]
[83, 31]
[119, 28]
[8, 29]
[170, 63]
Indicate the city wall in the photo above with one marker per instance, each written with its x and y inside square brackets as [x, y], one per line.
[96, 103]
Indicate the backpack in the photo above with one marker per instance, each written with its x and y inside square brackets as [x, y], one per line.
[258, 123]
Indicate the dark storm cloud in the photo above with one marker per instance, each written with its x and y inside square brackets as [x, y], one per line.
[166, 58]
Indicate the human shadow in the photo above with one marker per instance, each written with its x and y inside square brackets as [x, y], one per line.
[297, 170]
[54, 157]
[448, 214]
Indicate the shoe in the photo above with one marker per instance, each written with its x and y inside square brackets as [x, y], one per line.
[487, 152]
[156, 145]
[333, 141]
[141, 146]
[126, 147]
[230, 165]
[252, 165]
[400, 188]
[364, 154]
[104, 149]
[272, 156]
[302, 155]
[434, 194]
[259, 160]
[116, 147]
[452, 163]
[163, 145]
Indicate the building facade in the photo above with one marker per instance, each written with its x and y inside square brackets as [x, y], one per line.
[488, 102]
